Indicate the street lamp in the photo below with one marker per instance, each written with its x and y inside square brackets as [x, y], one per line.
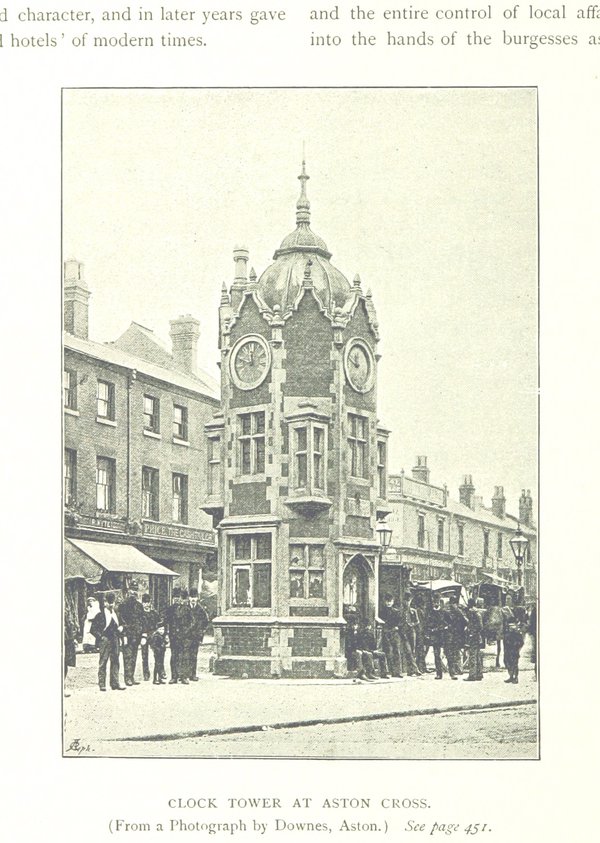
[519, 544]
[384, 534]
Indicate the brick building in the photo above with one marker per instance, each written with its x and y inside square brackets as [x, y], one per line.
[134, 448]
[298, 459]
[441, 538]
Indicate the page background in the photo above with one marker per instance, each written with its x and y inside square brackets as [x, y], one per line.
[71, 800]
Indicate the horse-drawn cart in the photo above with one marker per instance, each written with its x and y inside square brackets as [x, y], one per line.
[494, 591]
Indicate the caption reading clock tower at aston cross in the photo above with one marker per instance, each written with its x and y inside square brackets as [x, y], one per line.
[297, 461]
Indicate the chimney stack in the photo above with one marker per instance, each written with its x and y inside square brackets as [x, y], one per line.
[466, 491]
[420, 470]
[499, 502]
[185, 332]
[526, 508]
[75, 300]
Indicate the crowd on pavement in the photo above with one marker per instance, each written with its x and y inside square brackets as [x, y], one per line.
[456, 635]
[410, 627]
[135, 627]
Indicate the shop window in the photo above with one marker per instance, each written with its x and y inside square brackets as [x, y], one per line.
[357, 445]
[105, 484]
[70, 389]
[214, 465]
[180, 499]
[150, 493]
[251, 440]
[151, 414]
[180, 422]
[307, 570]
[105, 400]
[251, 570]
[70, 476]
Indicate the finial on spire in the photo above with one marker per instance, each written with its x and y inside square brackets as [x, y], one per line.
[303, 205]
[356, 282]
[252, 276]
[224, 294]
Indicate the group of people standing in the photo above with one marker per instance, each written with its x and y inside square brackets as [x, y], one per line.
[456, 635]
[136, 625]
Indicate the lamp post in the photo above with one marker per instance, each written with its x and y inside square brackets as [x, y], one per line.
[519, 544]
[384, 534]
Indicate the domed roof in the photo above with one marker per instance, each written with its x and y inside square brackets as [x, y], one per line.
[303, 252]
[280, 283]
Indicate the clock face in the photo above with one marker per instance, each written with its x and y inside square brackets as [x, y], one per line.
[359, 365]
[250, 361]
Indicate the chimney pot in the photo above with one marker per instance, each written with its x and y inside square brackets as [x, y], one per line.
[467, 491]
[75, 300]
[185, 332]
[499, 502]
[420, 471]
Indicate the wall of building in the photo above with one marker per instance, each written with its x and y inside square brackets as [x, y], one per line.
[468, 566]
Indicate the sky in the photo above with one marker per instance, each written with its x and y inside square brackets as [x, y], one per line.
[429, 194]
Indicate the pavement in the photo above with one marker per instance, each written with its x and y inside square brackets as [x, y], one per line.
[100, 722]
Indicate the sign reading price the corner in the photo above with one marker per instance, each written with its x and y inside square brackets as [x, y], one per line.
[177, 531]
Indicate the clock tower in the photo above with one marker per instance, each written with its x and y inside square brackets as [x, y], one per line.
[297, 465]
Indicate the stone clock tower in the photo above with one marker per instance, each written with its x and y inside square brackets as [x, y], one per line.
[297, 466]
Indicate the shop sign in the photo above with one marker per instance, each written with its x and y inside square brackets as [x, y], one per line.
[102, 522]
[177, 531]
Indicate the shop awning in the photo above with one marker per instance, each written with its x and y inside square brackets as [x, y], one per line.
[88, 560]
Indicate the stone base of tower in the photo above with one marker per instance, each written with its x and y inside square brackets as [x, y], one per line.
[274, 648]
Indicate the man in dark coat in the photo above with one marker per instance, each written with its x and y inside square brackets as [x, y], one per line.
[390, 636]
[419, 632]
[199, 624]
[367, 645]
[513, 642]
[408, 621]
[172, 634]
[181, 629]
[474, 642]
[158, 643]
[150, 624]
[70, 637]
[454, 639]
[532, 630]
[106, 628]
[437, 625]
[354, 655]
[132, 620]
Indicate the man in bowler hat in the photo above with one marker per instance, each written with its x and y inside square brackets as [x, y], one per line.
[151, 621]
[106, 627]
[132, 620]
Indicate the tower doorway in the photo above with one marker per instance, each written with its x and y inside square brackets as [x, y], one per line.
[356, 589]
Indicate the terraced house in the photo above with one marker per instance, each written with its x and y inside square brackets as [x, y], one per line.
[135, 461]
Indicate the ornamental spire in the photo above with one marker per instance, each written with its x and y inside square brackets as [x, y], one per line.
[303, 205]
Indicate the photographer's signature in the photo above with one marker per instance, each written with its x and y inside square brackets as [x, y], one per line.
[78, 747]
